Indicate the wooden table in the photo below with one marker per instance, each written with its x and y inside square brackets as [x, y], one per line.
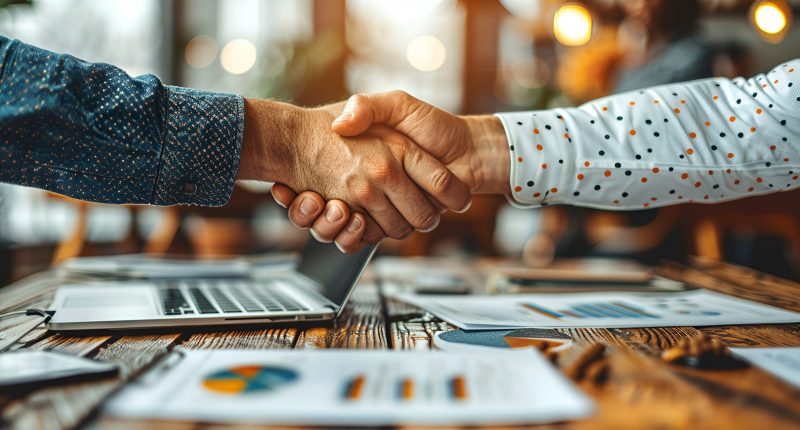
[641, 392]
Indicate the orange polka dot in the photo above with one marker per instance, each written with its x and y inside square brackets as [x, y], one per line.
[690, 151]
[676, 110]
[711, 173]
[707, 123]
[750, 189]
[632, 132]
[698, 184]
[535, 131]
[632, 103]
[785, 160]
[616, 202]
[680, 197]
[656, 170]
[728, 171]
[580, 176]
[705, 197]
[517, 188]
[716, 97]
[586, 163]
[646, 204]
[535, 195]
[566, 135]
[653, 199]
[763, 85]
[644, 180]
[794, 178]
[539, 146]
[656, 101]
[730, 155]
[544, 166]
[790, 70]
[759, 180]
[607, 173]
[683, 102]
[752, 129]
[692, 135]
[773, 147]
[605, 108]
[685, 176]
[775, 81]
[554, 190]
[519, 159]
[758, 111]
[732, 119]
[737, 182]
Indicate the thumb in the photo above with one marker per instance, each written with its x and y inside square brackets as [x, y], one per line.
[356, 117]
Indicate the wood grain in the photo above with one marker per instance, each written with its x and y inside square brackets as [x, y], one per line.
[641, 391]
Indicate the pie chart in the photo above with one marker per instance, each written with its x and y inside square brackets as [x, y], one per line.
[249, 379]
[519, 338]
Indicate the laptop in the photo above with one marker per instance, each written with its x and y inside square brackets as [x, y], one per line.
[316, 290]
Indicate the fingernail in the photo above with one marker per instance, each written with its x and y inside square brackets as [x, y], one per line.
[465, 208]
[317, 237]
[345, 116]
[334, 214]
[308, 206]
[355, 224]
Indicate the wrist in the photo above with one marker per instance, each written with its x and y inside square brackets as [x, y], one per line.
[490, 161]
[267, 150]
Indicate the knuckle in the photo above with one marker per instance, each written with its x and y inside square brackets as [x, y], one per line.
[381, 169]
[400, 95]
[441, 180]
[425, 219]
[400, 231]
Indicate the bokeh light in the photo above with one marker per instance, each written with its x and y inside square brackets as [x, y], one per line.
[200, 52]
[426, 53]
[238, 56]
[769, 18]
[572, 25]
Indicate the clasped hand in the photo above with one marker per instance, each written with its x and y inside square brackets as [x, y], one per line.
[382, 165]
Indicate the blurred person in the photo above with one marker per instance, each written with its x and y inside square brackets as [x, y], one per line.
[704, 141]
[90, 131]
[666, 48]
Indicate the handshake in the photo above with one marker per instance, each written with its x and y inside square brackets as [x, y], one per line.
[380, 165]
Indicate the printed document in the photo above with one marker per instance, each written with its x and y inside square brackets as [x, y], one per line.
[349, 388]
[781, 362]
[601, 309]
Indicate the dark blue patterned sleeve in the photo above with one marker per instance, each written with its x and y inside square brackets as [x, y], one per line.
[90, 131]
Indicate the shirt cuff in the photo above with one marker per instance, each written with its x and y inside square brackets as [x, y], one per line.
[542, 158]
[201, 146]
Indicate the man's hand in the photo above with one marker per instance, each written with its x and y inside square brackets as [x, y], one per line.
[474, 148]
[380, 173]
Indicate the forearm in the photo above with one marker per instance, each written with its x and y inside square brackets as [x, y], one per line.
[702, 141]
[92, 132]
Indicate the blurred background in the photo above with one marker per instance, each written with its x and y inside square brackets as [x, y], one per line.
[465, 56]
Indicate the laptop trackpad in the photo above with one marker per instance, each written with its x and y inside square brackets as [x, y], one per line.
[105, 304]
[136, 299]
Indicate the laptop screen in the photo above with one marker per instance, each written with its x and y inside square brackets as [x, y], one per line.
[335, 271]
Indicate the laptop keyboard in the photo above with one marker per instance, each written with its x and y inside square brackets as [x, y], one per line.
[209, 297]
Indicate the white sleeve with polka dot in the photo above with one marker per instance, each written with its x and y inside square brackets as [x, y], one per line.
[706, 141]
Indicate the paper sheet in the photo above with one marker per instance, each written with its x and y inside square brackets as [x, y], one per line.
[604, 309]
[781, 362]
[339, 387]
